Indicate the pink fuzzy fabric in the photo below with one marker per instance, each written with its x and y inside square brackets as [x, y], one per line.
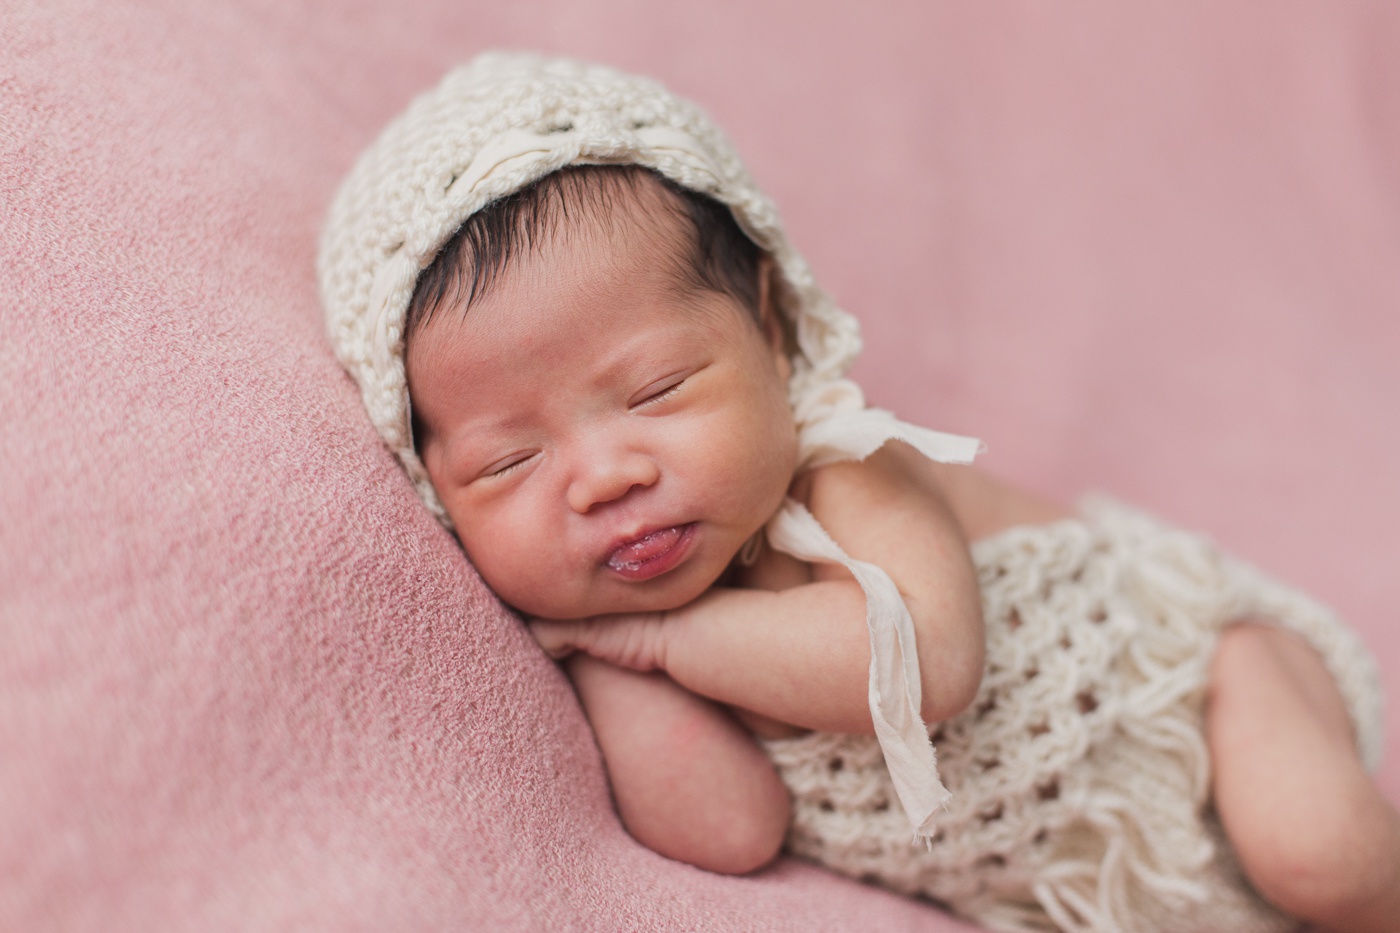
[247, 683]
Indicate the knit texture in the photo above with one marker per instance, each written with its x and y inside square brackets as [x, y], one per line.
[1079, 775]
[491, 128]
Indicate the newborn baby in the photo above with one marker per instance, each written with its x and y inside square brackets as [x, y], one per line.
[581, 329]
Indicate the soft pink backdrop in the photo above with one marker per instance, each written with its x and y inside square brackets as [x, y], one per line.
[245, 683]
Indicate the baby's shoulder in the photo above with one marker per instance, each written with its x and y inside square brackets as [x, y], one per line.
[852, 500]
[897, 482]
[895, 468]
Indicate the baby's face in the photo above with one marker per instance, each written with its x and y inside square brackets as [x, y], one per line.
[603, 439]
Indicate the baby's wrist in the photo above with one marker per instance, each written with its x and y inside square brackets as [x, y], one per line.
[636, 641]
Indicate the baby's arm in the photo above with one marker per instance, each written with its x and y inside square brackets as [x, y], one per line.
[689, 781]
[801, 655]
[653, 731]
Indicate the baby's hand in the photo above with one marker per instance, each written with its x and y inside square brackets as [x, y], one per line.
[632, 640]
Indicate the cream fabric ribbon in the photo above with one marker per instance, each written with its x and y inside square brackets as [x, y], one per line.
[895, 693]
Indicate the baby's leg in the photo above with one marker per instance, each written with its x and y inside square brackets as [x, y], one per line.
[1311, 830]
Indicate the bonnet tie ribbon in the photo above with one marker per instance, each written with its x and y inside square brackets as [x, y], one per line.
[895, 693]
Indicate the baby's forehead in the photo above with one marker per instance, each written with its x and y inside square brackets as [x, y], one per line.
[588, 316]
[586, 209]
[563, 253]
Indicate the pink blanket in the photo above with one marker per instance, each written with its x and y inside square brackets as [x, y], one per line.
[247, 683]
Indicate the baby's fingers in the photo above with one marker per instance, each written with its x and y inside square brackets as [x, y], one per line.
[631, 641]
[556, 638]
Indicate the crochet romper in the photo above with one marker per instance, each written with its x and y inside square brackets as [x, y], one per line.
[1079, 775]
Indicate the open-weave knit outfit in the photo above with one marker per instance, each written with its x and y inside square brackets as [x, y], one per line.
[1077, 781]
[1079, 775]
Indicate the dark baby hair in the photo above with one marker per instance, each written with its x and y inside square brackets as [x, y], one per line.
[723, 259]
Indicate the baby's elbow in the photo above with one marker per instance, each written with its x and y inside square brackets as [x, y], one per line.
[952, 695]
[743, 844]
[754, 848]
[755, 839]
[740, 831]
[952, 675]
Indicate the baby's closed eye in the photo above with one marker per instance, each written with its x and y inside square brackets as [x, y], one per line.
[506, 465]
[659, 390]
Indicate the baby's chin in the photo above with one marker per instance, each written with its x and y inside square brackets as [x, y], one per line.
[595, 608]
[628, 599]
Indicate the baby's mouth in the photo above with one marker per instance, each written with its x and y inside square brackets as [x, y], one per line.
[653, 553]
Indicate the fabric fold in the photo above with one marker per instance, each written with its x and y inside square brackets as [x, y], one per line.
[857, 434]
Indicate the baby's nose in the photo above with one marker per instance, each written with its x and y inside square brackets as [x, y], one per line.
[604, 476]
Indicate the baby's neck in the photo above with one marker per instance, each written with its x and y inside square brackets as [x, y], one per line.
[770, 570]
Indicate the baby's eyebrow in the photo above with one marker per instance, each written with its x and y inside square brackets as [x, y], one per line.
[476, 438]
[631, 358]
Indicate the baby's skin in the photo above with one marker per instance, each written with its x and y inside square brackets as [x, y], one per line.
[606, 441]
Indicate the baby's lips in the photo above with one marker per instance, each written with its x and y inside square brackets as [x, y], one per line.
[649, 546]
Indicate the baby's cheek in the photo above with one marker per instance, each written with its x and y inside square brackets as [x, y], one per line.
[534, 574]
[497, 551]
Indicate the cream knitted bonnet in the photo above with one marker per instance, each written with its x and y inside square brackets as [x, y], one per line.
[502, 121]
[489, 129]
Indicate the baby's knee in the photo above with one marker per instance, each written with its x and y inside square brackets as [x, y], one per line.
[1338, 863]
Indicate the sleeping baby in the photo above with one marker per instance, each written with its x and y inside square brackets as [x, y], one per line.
[793, 620]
